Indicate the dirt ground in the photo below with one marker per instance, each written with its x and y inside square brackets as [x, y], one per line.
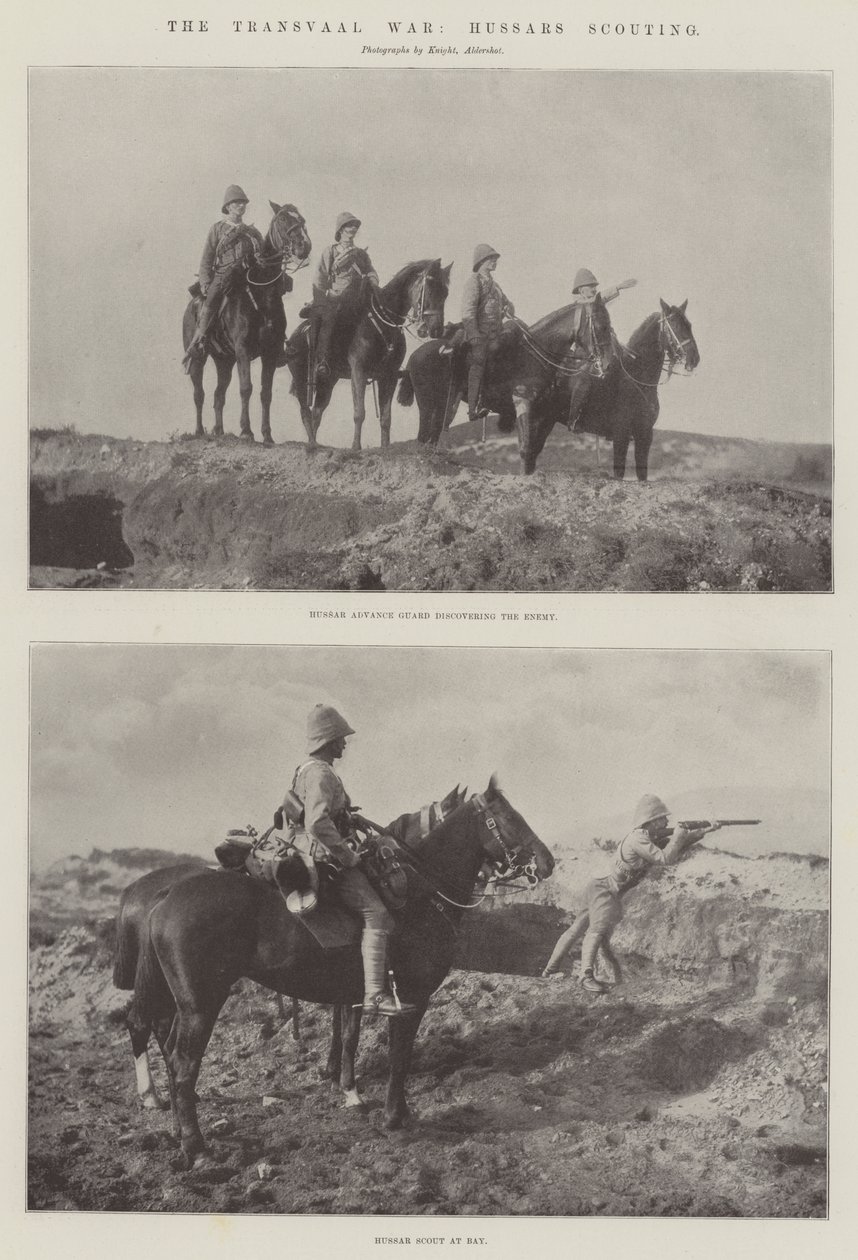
[718, 514]
[696, 1089]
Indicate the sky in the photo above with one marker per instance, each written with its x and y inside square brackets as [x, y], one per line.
[710, 186]
[171, 746]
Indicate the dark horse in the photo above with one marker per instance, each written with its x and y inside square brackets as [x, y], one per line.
[374, 347]
[251, 325]
[132, 930]
[214, 928]
[523, 371]
[623, 406]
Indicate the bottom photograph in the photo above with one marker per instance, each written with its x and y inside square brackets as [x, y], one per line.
[428, 931]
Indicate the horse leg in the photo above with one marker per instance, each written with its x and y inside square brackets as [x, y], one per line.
[401, 1035]
[186, 1045]
[139, 1030]
[197, 369]
[350, 1029]
[359, 383]
[622, 435]
[331, 1070]
[526, 426]
[386, 390]
[224, 376]
[643, 441]
[266, 389]
[245, 388]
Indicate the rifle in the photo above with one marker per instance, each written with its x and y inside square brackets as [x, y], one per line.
[713, 824]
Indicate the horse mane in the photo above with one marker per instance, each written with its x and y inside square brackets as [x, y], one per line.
[643, 332]
[407, 273]
[549, 322]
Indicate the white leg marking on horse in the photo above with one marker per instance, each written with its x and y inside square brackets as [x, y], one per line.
[146, 1091]
[352, 1098]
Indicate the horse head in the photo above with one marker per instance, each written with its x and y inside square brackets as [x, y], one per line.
[289, 237]
[510, 846]
[417, 294]
[549, 338]
[677, 339]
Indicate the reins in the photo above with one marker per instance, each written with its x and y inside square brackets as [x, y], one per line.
[668, 361]
[590, 365]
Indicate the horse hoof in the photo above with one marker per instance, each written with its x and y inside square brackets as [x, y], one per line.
[353, 1099]
[246, 436]
[268, 440]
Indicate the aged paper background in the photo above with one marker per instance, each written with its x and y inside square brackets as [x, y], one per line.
[795, 35]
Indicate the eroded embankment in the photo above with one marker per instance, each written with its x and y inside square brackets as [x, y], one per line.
[230, 515]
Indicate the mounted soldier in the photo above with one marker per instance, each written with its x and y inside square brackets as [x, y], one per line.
[484, 308]
[230, 245]
[339, 290]
[326, 833]
[590, 301]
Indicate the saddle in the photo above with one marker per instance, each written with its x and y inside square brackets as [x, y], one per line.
[308, 887]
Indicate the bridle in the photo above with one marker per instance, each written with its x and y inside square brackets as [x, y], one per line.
[673, 352]
[417, 313]
[284, 248]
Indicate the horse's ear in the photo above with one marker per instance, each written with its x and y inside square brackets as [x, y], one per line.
[665, 308]
[274, 206]
[446, 271]
[682, 308]
[463, 794]
[493, 787]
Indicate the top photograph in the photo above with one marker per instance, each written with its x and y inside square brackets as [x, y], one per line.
[465, 330]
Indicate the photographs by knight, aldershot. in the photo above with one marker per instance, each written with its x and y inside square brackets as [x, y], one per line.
[433, 319]
[396, 955]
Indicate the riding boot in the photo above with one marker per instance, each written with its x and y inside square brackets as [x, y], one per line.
[377, 998]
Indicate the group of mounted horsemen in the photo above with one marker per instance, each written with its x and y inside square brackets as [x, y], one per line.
[568, 368]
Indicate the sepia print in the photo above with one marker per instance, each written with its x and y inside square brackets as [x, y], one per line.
[434, 318]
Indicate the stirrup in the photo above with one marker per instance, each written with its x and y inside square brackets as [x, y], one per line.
[384, 1003]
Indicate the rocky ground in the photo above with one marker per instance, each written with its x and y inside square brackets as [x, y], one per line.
[717, 514]
[697, 1089]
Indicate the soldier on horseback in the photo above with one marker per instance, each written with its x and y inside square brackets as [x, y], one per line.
[588, 298]
[484, 308]
[326, 833]
[338, 290]
[229, 245]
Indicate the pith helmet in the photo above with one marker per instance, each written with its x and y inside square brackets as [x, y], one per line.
[481, 253]
[648, 809]
[324, 723]
[343, 220]
[233, 193]
[582, 277]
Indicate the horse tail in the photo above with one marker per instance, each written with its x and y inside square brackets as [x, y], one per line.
[125, 955]
[151, 991]
[405, 393]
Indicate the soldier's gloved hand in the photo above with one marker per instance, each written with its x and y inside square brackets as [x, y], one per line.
[278, 819]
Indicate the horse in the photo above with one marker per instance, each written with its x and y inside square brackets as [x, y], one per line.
[520, 374]
[623, 405]
[132, 924]
[373, 348]
[437, 377]
[251, 325]
[214, 928]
